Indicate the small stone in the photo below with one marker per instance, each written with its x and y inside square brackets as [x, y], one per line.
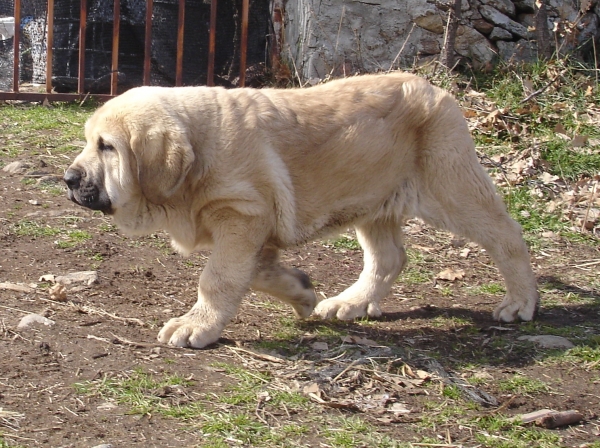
[320, 346]
[17, 167]
[548, 341]
[32, 319]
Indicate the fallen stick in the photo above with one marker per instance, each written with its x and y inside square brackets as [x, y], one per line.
[558, 419]
[262, 356]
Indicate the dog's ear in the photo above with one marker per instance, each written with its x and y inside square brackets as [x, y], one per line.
[164, 158]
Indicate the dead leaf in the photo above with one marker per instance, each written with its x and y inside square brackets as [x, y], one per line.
[548, 178]
[528, 87]
[579, 141]
[312, 388]
[399, 408]
[560, 129]
[451, 274]
[58, 293]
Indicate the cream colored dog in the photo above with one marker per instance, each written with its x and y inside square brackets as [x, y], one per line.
[249, 172]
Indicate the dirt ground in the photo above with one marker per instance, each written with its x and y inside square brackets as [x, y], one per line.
[109, 327]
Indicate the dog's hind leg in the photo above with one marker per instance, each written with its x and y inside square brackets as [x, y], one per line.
[384, 258]
[291, 286]
[461, 198]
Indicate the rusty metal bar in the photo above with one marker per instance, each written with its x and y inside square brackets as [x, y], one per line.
[210, 80]
[180, 29]
[81, 95]
[82, 30]
[277, 37]
[114, 66]
[16, 43]
[244, 42]
[49, 44]
[148, 42]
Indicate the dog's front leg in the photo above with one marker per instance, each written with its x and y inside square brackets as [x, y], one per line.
[226, 278]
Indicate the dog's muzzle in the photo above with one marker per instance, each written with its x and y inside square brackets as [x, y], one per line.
[85, 192]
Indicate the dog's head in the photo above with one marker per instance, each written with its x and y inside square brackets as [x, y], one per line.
[137, 153]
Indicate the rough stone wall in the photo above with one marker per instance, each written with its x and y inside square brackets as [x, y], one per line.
[342, 37]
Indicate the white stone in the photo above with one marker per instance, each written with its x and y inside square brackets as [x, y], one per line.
[33, 319]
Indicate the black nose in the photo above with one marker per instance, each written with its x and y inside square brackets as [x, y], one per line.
[72, 178]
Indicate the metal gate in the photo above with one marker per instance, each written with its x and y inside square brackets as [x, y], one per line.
[81, 94]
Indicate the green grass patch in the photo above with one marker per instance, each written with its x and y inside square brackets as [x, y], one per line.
[68, 238]
[523, 385]
[140, 392]
[498, 431]
[344, 242]
[56, 130]
[35, 230]
[222, 429]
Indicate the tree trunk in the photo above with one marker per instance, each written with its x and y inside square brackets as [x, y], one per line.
[454, 16]
[542, 34]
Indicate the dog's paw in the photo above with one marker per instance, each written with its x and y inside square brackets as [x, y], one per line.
[346, 309]
[304, 305]
[510, 310]
[187, 332]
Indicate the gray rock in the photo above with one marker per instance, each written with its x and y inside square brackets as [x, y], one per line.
[17, 167]
[34, 319]
[429, 46]
[526, 19]
[525, 5]
[521, 51]
[588, 28]
[548, 341]
[504, 6]
[87, 277]
[562, 9]
[104, 445]
[483, 26]
[501, 20]
[500, 34]
[473, 45]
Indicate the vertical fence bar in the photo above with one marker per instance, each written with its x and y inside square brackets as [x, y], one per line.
[148, 42]
[211, 44]
[49, 44]
[180, 30]
[82, 32]
[16, 45]
[244, 42]
[114, 66]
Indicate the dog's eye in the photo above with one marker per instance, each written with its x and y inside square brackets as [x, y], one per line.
[103, 146]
